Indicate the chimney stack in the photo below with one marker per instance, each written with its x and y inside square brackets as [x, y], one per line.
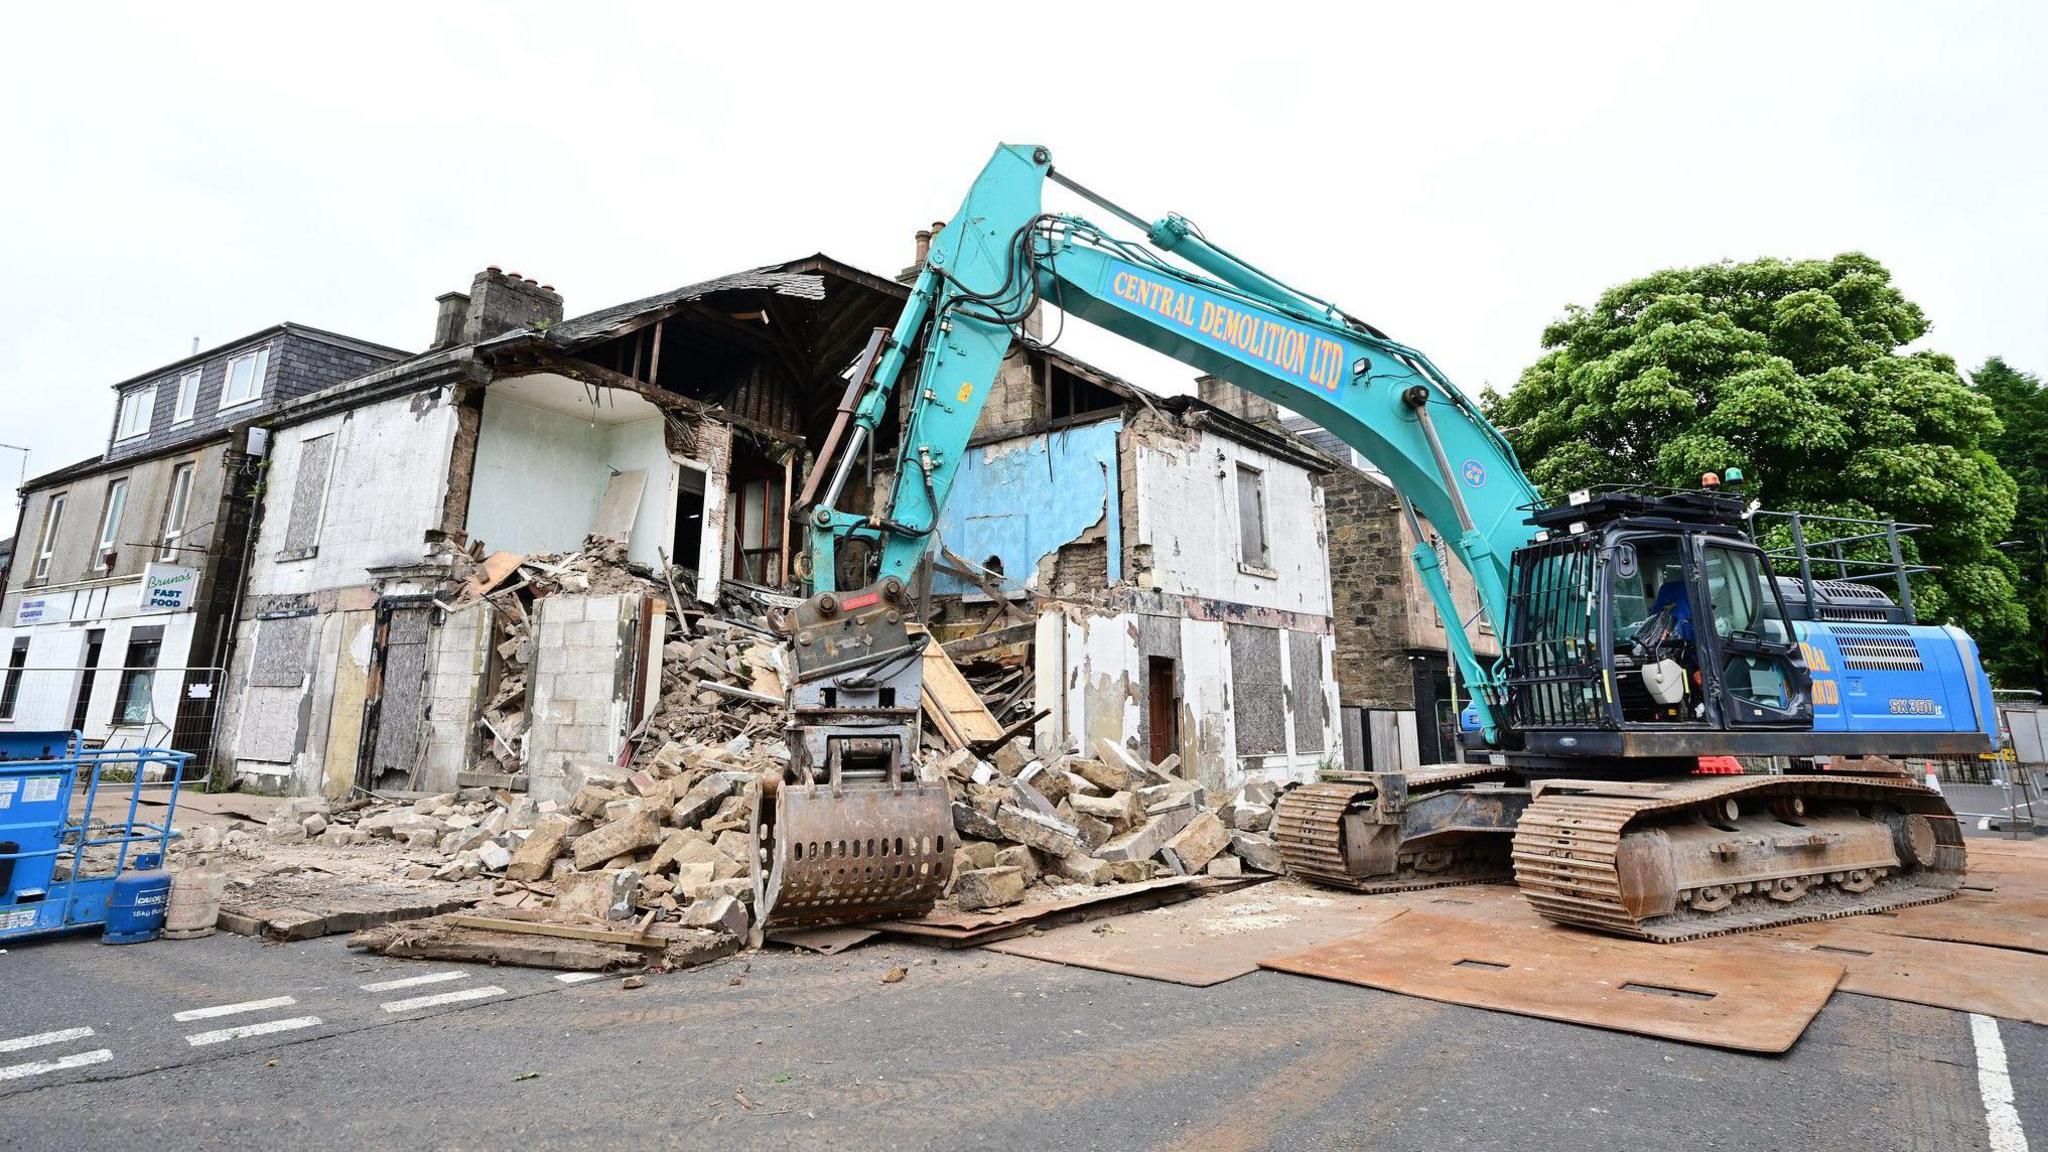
[454, 309]
[499, 302]
[1244, 405]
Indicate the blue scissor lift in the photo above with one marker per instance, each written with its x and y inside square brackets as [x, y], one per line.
[50, 880]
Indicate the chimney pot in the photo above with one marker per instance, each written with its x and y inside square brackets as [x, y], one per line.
[494, 270]
[500, 302]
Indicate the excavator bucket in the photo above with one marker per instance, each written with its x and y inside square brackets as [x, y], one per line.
[845, 852]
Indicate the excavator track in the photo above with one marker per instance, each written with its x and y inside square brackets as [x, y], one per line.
[1668, 860]
[1323, 831]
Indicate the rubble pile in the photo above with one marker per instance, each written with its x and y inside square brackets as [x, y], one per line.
[721, 671]
[1108, 819]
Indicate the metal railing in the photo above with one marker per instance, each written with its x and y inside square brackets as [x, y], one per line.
[1859, 552]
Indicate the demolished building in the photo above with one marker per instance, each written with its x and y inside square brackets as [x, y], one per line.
[680, 427]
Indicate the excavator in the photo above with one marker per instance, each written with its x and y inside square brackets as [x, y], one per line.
[1643, 629]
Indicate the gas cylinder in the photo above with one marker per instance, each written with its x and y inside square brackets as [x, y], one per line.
[137, 903]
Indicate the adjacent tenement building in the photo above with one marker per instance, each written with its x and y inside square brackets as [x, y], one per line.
[115, 615]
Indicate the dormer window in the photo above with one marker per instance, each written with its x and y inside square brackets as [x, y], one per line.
[136, 408]
[188, 397]
[244, 378]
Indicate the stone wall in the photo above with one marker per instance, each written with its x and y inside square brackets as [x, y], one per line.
[1367, 570]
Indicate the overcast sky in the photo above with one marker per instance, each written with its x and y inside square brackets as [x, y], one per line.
[1456, 175]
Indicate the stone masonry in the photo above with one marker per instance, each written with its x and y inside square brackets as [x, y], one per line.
[1367, 575]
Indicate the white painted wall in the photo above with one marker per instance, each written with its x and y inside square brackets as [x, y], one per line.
[1187, 512]
[387, 486]
[540, 476]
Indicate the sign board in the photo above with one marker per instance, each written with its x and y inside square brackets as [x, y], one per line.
[167, 588]
[37, 609]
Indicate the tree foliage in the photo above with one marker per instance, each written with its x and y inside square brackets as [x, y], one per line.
[1794, 372]
[2021, 448]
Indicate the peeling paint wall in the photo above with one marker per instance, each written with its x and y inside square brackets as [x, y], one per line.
[1019, 500]
[1188, 525]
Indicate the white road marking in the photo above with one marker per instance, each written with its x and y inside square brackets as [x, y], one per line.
[579, 977]
[246, 1030]
[1994, 1084]
[231, 1009]
[413, 981]
[38, 1067]
[42, 1038]
[444, 998]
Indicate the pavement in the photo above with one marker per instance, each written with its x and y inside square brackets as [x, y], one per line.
[230, 1042]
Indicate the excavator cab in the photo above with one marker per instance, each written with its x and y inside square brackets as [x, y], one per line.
[1639, 611]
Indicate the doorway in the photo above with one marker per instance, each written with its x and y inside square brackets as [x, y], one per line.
[1162, 711]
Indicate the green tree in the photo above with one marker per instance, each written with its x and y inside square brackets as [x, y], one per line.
[1795, 373]
[2021, 448]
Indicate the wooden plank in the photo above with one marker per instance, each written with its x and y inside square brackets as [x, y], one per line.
[1674, 991]
[952, 702]
[564, 931]
[491, 572]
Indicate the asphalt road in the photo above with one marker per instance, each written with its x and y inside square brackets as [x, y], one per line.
[969, 1050]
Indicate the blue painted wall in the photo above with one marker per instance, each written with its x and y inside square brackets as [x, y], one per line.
[1021, 499]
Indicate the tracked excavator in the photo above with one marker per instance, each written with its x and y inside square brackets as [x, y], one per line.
[1643, 629]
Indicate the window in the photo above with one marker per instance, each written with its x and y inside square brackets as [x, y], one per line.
[47, 542]
[309, 497]
[245, 378]
[16, 661]
[136, 408]
[188, 397]
[1252, 550]
[110, 523]
[174, 512]
[138, 675]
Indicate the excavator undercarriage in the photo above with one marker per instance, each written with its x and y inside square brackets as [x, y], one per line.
[1662, 860]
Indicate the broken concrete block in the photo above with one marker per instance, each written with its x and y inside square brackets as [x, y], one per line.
[981, 852]
[1123, 810]
[1026, 796]
[989, 888]
[576, 774]
[1082, 869]
[1019, 857]
[1054, 786]
[1259, 792]
[1194, 846]
[1132, 871]
[969, 821]
[737, 845]
[607, 894]
[720, 912]
[1094, 833]
[493, 857]
[1114, 754]
[314, 825]
[704, 798]
[693, 879]
[1242, 817]
[1224, 866]
[740, 888]
[638, 830]
[668, 761]
[683, 846]
[1105, 777]
[1144, 841]
[1048, 834]
[1258, 851]
[959, 764]
[591, 801]
[1013, 756]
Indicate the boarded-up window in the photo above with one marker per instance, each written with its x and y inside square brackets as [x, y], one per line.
[280, 656]
[1257, 699]
[309, 497]
[1305, 683]
[1251, 518]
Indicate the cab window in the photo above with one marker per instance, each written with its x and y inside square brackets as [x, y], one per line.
[1741, 601]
